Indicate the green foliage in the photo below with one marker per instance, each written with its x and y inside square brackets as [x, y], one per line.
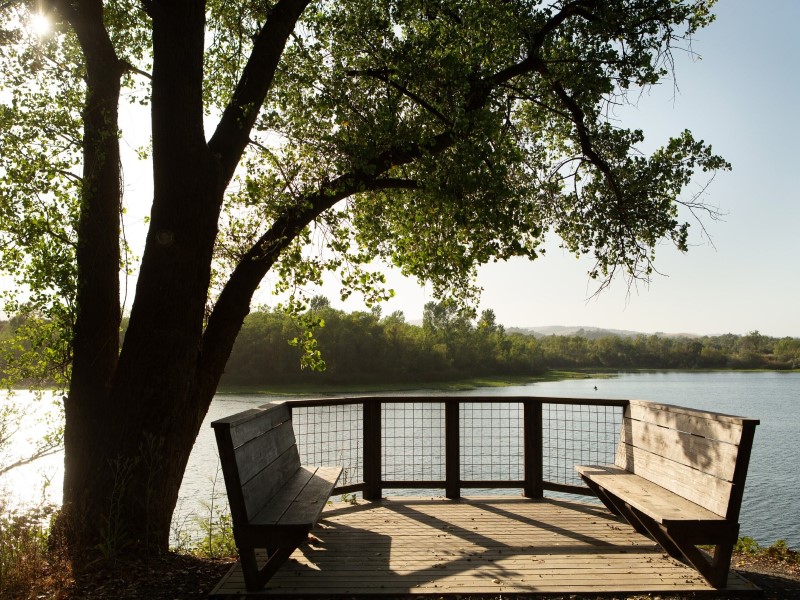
[468, 130]
[747, 545]
[113, 536]
[450, 135]
[214, 525]
[787, 350]
[365, 347]
[40, 158]
[779, 550]
[216, 540]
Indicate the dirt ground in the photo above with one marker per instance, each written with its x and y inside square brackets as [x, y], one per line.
[180, 577]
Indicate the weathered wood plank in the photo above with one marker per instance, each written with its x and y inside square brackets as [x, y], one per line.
[703, 489]
[259, 452]
[654, 500]
[265, 484]
[251, 423]
[430, 547]
[724, 428]
[309, 503]
[272, 513]
[695, 452]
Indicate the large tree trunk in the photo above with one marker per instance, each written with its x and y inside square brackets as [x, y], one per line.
[95, 342]
[132, 423]
[133, 417]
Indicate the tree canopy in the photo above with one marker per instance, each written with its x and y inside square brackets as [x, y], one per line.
[298, 137]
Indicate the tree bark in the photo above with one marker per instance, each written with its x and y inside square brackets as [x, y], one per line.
[95, 343]
[133, 417]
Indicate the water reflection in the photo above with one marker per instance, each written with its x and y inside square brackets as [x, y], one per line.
[769, 510]
[26, 418]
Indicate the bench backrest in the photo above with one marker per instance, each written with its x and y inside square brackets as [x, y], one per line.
[258, 453]
[702, 456]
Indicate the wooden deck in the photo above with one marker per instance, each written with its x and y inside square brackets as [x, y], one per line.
[488, 546]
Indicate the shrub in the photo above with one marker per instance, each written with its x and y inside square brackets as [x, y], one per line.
[29, 563]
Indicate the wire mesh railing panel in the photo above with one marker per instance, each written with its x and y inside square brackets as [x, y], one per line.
[577, 434]
[491, 441]
[331, 436]
[413, 441]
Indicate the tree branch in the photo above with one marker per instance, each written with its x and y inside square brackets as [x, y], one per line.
[383, 75]
[233, 131]
[132, 69]
[580, 8]
[579, 119]
[40, 453]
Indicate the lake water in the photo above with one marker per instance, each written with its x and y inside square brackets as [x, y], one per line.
[770, 510]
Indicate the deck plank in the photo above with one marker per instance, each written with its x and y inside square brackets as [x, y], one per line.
[481, 546]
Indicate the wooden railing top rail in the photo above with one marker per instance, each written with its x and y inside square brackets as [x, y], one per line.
[344, 400]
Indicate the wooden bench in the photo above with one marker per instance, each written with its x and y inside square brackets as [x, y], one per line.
[274, 500]
[678, 478]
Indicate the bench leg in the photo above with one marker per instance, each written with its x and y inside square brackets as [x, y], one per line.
[653, 531]
[681, 545]
[256, 578]
[247, 558]
[715, 570]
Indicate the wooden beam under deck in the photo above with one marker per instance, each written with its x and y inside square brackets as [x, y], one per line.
[491, 546]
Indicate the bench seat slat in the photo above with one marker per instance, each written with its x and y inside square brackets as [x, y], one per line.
[301, 500]
[705, 455]
[658, 503]
[308, 505]
[272, 512]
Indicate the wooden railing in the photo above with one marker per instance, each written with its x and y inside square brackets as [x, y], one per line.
[533, 435]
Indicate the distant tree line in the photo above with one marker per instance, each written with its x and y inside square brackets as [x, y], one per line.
[366, 347]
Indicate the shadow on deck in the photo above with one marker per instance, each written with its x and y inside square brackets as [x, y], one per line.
[487, 546]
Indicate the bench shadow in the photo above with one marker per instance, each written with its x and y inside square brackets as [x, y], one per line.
[371, 552]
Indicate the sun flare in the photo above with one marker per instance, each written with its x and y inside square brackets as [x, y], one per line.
[40, 24]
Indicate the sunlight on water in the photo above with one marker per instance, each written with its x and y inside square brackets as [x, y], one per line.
[769, 509]
[33, 417]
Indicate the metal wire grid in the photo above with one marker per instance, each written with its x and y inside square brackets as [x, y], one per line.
[575, 434]
[413, 441]
[331, 436]
[491, 441]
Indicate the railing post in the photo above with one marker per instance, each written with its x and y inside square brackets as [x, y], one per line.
[452, 459]
[372, 449]
[533, 463]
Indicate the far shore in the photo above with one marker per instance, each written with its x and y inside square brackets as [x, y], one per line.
[471, 383]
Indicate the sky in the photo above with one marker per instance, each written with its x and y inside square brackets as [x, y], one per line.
[740, 96]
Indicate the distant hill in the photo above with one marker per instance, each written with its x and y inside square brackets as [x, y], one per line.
[587, 332]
